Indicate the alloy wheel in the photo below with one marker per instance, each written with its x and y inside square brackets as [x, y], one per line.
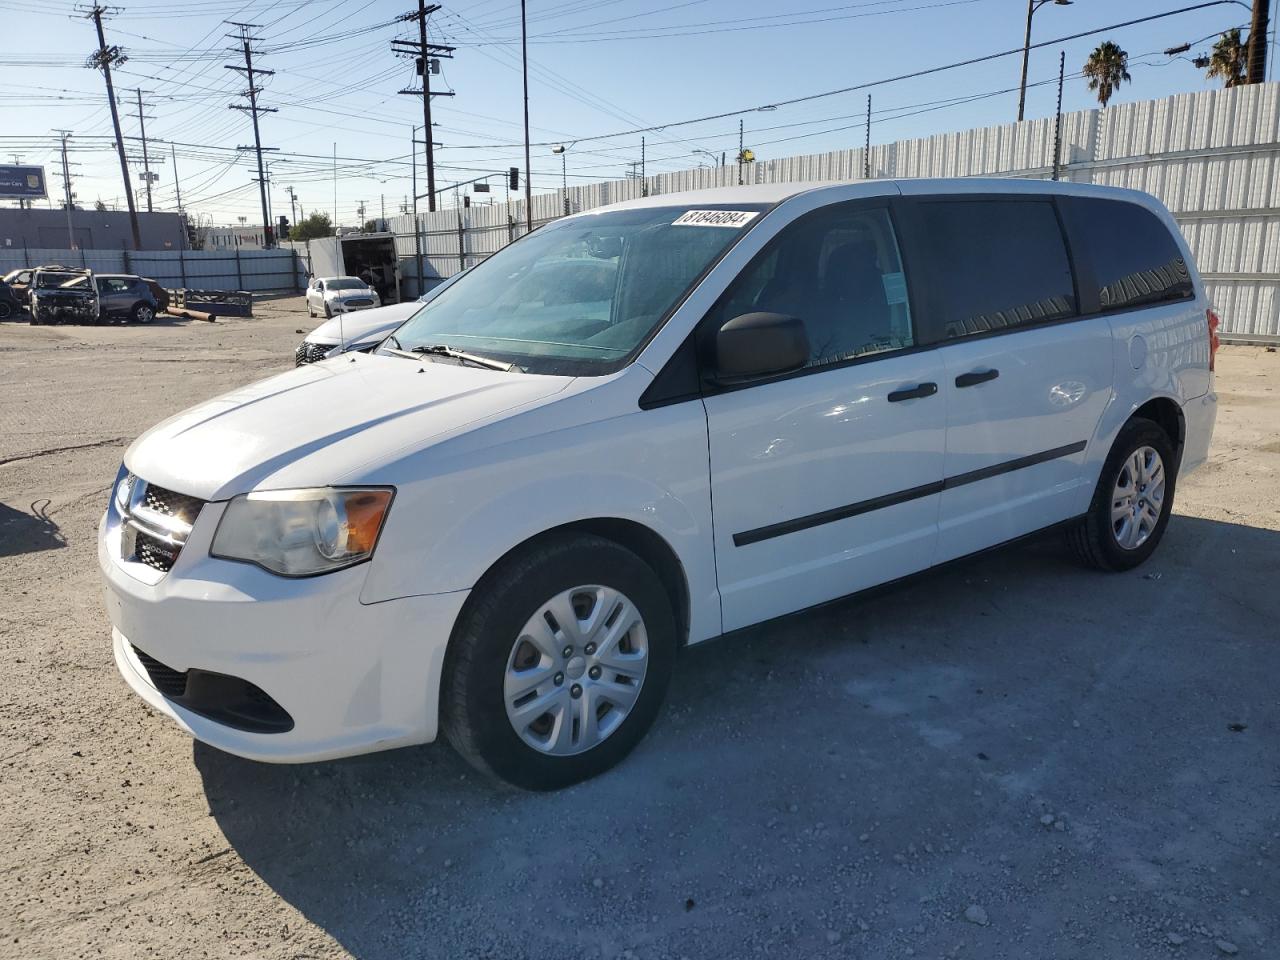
[1138, 498]
[576, 669]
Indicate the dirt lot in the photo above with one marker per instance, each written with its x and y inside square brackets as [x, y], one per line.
[1017, 758]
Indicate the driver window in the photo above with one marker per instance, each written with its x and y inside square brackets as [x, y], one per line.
[839, 271]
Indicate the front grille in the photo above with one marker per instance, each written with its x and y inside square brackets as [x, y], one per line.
[359, 302]
[171, 504]
[156, 524]
[310, 352]
[170, 682]
[155, 552]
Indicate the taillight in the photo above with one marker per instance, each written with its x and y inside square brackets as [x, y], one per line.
[1214, 343]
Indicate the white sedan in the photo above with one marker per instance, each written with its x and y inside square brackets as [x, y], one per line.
[330, 295]
[361, 335]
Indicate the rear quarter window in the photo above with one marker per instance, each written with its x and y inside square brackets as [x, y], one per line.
[1135, 260]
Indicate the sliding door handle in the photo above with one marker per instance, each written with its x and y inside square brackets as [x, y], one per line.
[914, 393]
[975, 378]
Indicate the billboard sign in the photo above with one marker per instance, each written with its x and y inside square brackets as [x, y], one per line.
[25, 183]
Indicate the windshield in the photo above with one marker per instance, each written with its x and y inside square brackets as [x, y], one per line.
[12, 276]
[47, 281]
[579, 296]
[346, 285]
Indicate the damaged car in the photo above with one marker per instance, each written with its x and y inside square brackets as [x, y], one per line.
[63, 295]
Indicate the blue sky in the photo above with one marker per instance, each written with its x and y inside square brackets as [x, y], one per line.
[598, 67]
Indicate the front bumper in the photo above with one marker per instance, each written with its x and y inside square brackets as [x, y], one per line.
[353, 677]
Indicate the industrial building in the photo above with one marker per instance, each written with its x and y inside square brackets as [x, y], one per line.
[89, 230]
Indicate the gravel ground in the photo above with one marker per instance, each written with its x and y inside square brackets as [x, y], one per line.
[1013, 758]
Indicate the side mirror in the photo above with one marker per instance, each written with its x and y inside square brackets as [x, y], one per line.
[760, 345]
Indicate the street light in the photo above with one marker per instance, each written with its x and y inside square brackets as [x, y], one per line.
[1032, 7]
[564, 176]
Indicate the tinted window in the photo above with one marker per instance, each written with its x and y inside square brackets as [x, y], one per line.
[580, 295]
[1135, 259]
[996, 264]
[839, 271]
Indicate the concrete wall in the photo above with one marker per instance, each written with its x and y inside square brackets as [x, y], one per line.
[94, 230]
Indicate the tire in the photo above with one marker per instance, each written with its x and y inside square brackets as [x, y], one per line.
[1123, 543]
[480, 683]
[142, 313]
[311, 311]
[328, 313]
[6, 310]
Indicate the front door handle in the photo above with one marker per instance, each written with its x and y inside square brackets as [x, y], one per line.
[914, 393]
[975, 378]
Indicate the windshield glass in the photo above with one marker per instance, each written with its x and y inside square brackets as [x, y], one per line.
[579, 296]
[346, 285]
[47, 281]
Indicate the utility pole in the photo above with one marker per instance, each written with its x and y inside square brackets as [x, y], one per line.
[866, 162]
[740, 149]
[66, 187]
[417, 226]
[104, 58]
[644, 183]
[1261, 23]
[528, 173]
[17, 159]
[360, 214]
[293, 205]
[177, 187]
[146, 159]
[427, 56]
[1057, 128]
[254, 110]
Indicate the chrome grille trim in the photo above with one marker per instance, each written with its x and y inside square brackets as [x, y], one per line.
[156, 524]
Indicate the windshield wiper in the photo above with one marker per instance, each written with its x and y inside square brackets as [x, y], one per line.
[440, 349]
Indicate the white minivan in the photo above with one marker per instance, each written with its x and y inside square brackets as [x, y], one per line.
[643, 427]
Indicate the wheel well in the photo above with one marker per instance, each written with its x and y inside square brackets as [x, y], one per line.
[644, 543]
[1168, 415]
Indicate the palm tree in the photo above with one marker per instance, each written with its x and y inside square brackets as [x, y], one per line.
[1107, 68]
[1228, 60]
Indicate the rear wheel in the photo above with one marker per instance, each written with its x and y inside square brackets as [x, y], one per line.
[1132, 503]
[559, 663]
[6, 310]
[143, 313]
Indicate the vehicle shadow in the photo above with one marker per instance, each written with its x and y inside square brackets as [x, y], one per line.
[28, 532]
[840, 783]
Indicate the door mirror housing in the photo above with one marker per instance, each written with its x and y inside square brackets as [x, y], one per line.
[760, 345]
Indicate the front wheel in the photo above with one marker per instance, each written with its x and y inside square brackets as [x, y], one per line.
[1132, 503]
[559, 663]
[6, 310]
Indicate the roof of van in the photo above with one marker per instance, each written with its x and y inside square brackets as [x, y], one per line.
[771, 193]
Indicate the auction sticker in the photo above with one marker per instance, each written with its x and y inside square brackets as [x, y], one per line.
[715, 218]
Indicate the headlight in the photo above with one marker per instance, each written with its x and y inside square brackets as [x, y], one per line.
[300, 533]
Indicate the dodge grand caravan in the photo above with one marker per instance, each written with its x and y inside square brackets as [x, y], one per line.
[643, 427]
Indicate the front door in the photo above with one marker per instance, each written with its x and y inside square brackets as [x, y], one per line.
[826, 481]
[1026, 376]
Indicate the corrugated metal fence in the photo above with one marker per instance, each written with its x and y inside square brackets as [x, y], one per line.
[1212, 157]
[254, 270]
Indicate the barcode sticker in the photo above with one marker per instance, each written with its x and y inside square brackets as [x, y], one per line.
[715, 218]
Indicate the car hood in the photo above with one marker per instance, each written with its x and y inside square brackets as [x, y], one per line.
[325, 423]
[365, 325]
